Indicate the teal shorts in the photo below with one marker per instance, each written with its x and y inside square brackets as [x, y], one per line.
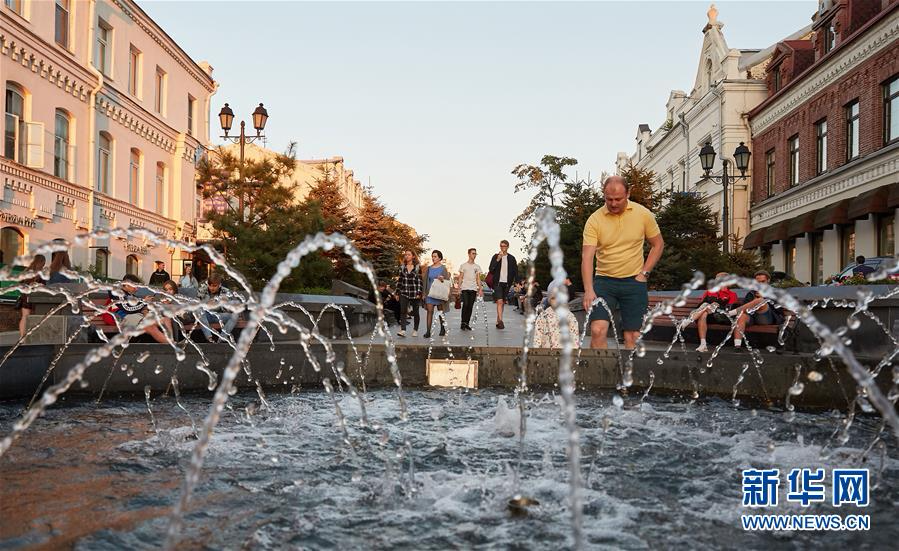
[624, 293]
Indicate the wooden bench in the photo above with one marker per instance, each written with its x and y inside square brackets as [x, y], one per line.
[682, 312]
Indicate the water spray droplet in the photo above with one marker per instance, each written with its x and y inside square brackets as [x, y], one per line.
[815, 376]
[618, 401]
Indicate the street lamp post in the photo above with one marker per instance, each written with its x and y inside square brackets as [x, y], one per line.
[707, 159]
[226, 118]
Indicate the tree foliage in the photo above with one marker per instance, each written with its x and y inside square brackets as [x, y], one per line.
[641, 183]
[257, 237]
[692, 244]
[337, 218]
[381, 238]
[547, 180]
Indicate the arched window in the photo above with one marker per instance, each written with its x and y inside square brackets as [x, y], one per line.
[104, 162]
[160, 188]
[14, 137]
[134, 177]
[132, 265]
[12, 244]
[61, 145]
[101, 263]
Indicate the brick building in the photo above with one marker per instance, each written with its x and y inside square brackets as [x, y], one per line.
[826, 143]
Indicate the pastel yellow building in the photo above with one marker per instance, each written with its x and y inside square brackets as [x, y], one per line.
[105, 117]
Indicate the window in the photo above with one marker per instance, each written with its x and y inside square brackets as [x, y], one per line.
[13, 142]
[134, 59]
[62, 23]
[794, 160]
[104, 47]
[769, 173]
[821, 146]
[160, 188]
[847, 245]
[160, 91]
[817, 258]
[852, 115]
[12, 244]
[891, 107]
[790, 257]
[104, 154]
[776, 79]
[101, 263]
[708, 72]
[886, 234]
[15, 5]
[765, 254]
[134, 177]
[61, 145]
[132, 265]
[191, 106]
[830, 37]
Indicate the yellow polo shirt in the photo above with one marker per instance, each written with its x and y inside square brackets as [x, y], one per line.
[619, 239]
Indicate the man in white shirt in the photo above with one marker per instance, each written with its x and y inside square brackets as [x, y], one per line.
[470, 285]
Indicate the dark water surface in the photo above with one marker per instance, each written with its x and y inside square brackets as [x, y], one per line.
[665, 475]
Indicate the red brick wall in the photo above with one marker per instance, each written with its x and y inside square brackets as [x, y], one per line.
[863, 83]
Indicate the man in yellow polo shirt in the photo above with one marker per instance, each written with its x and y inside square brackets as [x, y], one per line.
[615, 234]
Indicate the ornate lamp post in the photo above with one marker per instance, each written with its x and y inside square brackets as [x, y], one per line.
[226, 118]
[707, 159]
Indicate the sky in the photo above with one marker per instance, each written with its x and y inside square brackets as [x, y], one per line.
[434, 104]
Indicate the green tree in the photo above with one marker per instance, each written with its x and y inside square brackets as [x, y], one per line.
[381, 238]
[641, 183]
[690, 230]
[548, 180]
[337, 218]
[258, 219]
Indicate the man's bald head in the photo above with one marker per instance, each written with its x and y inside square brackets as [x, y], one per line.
[615, 181]
[615, 192]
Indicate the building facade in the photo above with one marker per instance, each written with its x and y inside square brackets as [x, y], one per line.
[826, 143]
[727, 84]
[105, 116]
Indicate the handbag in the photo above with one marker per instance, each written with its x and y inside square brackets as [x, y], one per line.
[489, 280]
[459, 301]
[439, 290]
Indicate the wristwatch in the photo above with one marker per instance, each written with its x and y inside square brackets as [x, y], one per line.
[645, 274]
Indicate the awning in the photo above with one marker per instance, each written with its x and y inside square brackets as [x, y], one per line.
[801, 225]
[756, 238]
[893, 197]
[775, 232]
[836, 213]
[874, 201]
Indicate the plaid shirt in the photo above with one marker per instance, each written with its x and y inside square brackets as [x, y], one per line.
[408, 284]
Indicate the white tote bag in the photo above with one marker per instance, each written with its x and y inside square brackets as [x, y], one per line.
[440, 290]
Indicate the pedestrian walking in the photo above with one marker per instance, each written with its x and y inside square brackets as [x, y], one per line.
[409, 287]
[439, 296]
[504, 272]
[470, 287]
[614, 236]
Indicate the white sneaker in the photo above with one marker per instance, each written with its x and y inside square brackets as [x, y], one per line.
[414, 333]
[400, 333]
[702, 348]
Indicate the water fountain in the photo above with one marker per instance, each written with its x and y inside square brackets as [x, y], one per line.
[410, 466]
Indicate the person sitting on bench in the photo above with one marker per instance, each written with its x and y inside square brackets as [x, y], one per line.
[713, 308]
[130, 311]
[755, 310]
[213, 290]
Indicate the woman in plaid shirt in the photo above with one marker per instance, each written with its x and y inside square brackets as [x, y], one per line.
[408, 285]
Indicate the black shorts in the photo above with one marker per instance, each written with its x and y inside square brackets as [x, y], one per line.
[500, 291]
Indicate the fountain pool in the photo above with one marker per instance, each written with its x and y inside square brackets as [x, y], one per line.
[664, 473]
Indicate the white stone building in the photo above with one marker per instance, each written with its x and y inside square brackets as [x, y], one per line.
[104, 117]
[728, 83]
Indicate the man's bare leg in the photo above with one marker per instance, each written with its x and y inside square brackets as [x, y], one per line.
[630, 339]
[599, 330]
